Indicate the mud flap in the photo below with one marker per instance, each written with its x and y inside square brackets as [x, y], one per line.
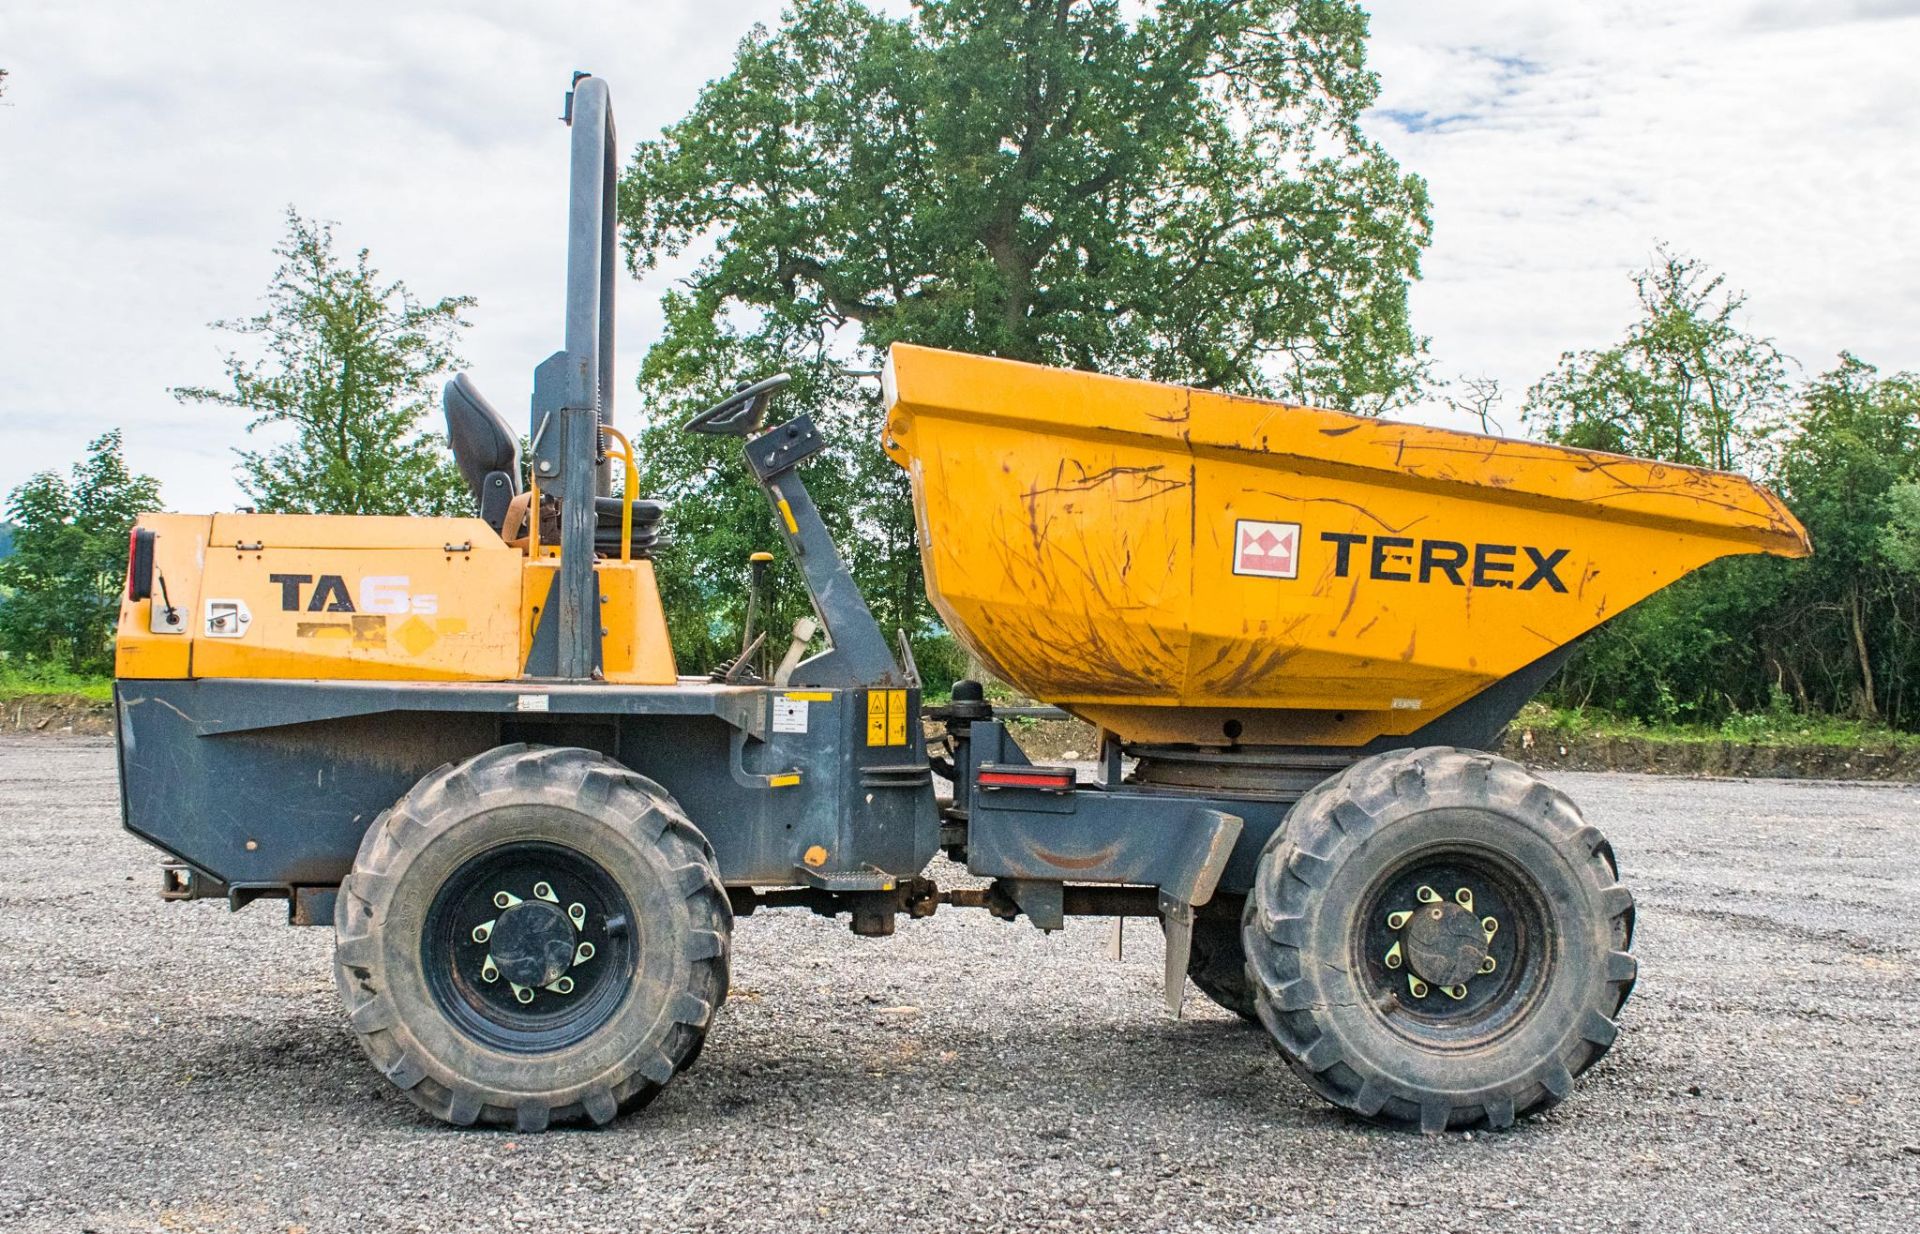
[1178, 916]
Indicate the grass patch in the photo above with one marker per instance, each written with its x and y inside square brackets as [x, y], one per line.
[27, 680]
[1758, 728]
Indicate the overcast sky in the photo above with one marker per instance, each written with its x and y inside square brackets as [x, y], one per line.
[148, 151]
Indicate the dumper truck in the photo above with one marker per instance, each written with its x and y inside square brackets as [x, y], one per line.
[463, 742]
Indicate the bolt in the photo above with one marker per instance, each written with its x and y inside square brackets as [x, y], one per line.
[1396, 920]
[483, 932]
[1393, 956]
[577, 913]
[1464, 898]
[1427, 895]
[1416, 985]
[1490, 926]
[1454, 992]
[1436, 914]
[522, 994]
[505, 899]
[544, 891]
[562, 985]
[583, 953]
[488, 972]
[1488, 965]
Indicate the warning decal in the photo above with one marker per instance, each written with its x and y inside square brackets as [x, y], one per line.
[1266, 550]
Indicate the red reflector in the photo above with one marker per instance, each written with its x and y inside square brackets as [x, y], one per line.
[1057, 779]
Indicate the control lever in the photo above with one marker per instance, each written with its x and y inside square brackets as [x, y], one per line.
[804, 631]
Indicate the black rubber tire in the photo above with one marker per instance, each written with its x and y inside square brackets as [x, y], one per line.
[627, 825]
[1311, 985]
[1218, 966]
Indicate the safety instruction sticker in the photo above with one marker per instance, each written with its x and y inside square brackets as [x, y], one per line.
[886, 717]
[790, 715]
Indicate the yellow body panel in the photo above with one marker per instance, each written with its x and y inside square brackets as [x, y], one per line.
[179, 557]
[635, 649]
[1176, 565]
[343, 598]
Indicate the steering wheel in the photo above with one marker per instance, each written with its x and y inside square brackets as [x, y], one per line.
[739, 413]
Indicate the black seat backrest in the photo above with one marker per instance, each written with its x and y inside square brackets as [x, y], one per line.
[482, 442]
[484, 449]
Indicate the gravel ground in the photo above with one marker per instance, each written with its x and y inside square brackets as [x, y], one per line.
[172, 1067]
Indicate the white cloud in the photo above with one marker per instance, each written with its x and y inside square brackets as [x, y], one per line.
[147, 152]
[1773, 140]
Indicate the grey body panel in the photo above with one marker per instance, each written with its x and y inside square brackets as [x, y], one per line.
[272, 783]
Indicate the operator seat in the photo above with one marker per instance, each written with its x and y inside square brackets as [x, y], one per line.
[488, 456]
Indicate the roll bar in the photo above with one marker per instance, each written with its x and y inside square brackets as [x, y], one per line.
[573, 388]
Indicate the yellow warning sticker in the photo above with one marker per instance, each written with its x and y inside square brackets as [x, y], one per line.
[896, 717]
[886, 717]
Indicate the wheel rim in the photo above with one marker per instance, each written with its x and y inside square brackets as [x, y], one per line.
[530, 947]
[1454, 946]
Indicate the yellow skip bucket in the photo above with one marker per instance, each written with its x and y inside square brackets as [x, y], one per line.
[1181, 566]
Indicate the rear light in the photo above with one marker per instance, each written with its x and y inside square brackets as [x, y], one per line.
[1045, 779]
[140, 564]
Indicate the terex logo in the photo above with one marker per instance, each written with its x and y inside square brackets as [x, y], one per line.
[1404, 559]
[378, 593]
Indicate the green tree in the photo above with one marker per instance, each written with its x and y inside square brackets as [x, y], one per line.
[1849, 472]
[1688, 383]
[1179, 190]
[351, 365]
[1691, 384]
[62, 581]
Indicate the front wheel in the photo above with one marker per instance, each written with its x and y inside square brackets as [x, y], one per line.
[1436, 938]
[532, 935]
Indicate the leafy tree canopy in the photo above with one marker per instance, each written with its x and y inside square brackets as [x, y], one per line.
[351, 366]
[1687, 384]
[1178, 190]
[63, 578]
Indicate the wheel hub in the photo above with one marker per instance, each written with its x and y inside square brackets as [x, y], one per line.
[1445, 944]
[1441, 944]
[532, 943]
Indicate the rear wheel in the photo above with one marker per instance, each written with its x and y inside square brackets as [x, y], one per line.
[1218, 966]
[1438, 939]
[532, 935]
